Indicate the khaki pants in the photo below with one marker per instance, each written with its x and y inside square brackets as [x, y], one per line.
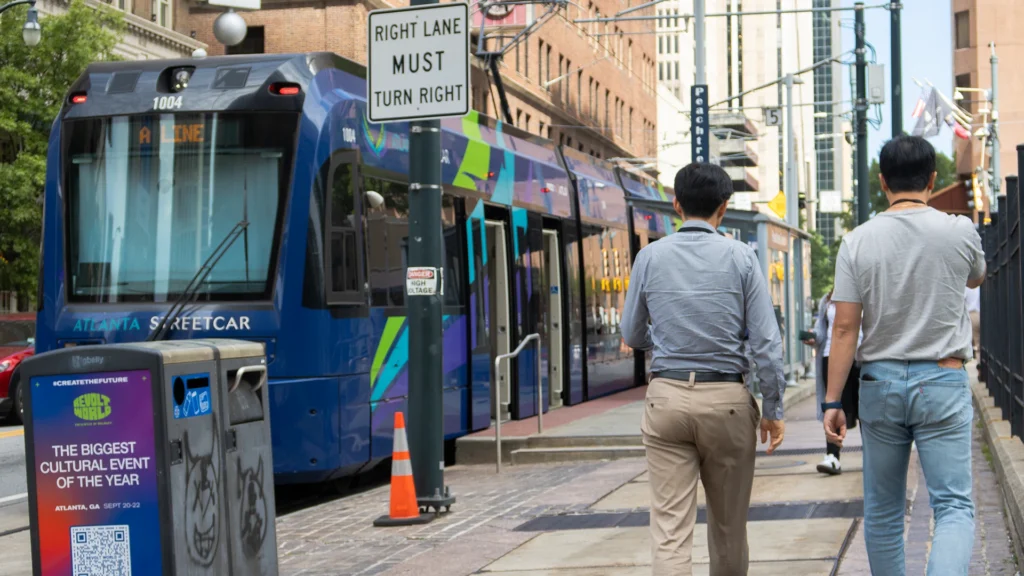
[976, 328]
[705, 431]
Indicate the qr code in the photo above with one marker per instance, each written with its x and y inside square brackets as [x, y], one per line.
[100, 551]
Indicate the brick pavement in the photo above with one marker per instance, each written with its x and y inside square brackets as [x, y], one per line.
[339, 537]
[992, 554]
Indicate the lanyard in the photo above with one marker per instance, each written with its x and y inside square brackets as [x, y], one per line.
[696, 229]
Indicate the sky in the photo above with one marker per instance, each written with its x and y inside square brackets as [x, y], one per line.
[927, 55]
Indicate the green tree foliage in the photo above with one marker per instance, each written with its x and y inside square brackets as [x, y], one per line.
[822, 266]
[33, 85]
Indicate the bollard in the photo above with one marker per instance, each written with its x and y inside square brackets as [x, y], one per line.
[151, 458]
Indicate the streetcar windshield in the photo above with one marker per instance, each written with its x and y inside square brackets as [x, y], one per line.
[150, 197]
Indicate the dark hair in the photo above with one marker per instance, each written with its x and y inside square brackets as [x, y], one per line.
[907, 163]
[702, 188]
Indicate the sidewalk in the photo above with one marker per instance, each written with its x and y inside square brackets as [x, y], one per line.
[591, 518]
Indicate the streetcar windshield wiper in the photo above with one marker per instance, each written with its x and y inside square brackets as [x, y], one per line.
[192, 289]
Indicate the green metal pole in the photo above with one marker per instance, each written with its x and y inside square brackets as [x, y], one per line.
[897, 70]
[861, 107]
[426, 249]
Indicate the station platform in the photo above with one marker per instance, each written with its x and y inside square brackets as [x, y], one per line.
[572, 513]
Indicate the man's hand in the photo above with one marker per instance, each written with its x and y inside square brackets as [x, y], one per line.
[835, 426]
[811, 342]
[777, 429]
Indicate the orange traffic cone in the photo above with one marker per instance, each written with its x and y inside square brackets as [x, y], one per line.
[403, 510]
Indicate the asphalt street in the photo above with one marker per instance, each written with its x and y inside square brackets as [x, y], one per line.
[14, 542]
[12, 461]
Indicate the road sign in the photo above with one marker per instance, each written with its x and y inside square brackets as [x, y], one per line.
[742, 201]
[778, 205]
[772, 116]
[830, 202]
[699, 132]
[419, 63]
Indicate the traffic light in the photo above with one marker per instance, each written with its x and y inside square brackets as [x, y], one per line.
[802, 201]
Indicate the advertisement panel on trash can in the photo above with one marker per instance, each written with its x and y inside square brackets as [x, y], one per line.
[96, 474]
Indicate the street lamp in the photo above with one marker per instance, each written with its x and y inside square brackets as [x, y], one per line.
[31, 32]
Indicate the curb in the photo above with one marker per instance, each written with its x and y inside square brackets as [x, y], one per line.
[1007, 459]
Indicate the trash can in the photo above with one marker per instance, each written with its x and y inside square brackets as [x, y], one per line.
[151, 458]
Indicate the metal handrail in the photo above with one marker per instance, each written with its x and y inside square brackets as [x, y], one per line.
[497, 392]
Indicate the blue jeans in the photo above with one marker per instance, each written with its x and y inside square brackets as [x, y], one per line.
[922, 403]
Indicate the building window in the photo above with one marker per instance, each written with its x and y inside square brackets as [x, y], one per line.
[162, 12]
[567, 82]
[677, 69]
[579, 91]
[661, 70]
[607, 105]
[540, 131]
[540, 61]
[526, 126]
[124, 5]
[526, 58]
[660, 40]
[963, 29]
[252, 44]
[964, 81]
[547, 65]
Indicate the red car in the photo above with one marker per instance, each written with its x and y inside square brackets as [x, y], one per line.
[17, 342]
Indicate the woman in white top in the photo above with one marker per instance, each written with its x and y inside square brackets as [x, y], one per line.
[822, 342]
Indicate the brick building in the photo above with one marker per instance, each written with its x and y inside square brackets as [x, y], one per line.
[150, 27]
[975, 24]
[589, 86]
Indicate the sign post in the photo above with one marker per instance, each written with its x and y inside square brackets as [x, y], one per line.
[419, 72]
[699, 149]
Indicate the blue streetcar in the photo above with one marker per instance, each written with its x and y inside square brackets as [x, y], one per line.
[153, 164]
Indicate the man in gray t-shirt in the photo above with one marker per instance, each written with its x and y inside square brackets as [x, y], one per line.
[909, 269]
[906, 271]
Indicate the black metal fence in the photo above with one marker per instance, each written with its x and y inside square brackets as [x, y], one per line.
[1001, 365]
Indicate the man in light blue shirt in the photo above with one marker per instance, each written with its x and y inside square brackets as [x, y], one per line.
[692, 298]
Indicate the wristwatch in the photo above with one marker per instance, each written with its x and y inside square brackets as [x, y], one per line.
[831, 406]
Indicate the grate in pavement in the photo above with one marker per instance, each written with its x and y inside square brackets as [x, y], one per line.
[851, 509]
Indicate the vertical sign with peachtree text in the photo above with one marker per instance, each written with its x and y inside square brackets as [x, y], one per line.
[699, 135]
[96, 492]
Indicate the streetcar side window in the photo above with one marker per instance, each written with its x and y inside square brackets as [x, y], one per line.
[387, 232]
[343, 228]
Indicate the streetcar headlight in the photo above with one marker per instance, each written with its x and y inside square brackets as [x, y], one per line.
[180, 79]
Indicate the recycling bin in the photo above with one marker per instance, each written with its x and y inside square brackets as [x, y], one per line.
[150, 458]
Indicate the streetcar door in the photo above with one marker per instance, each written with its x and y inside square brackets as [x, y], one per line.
[554, 341]
[498, 312]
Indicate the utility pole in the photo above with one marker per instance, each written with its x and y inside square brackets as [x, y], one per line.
[426, 249]
[700, 57]
[861, 109]
[792, 194]
[993, 131]
[897, 70]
